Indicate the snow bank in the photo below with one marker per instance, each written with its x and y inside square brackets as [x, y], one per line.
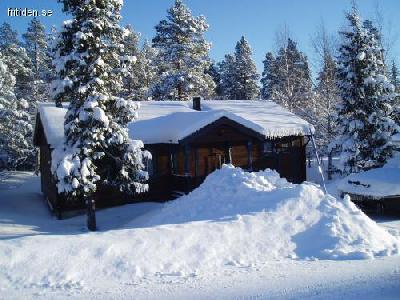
[376, 183]
[234, 218]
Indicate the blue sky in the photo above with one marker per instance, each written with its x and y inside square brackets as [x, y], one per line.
[258, 20]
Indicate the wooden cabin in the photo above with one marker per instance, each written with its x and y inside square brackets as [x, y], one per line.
[189, 141]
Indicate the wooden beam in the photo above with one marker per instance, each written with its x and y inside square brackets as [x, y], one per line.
[196, 162]
[187, 159]
[250, 155]
[228, 153]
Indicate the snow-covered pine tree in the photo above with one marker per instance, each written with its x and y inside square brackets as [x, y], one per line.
[182, 55]
[293, 86]
[8, 36]
[147, 70]
[215, 74]
[97, 150]
[15, 124]
[364, 123]
[52, 38]
[37, 49]
[246, 75]
[18, 62]
[394, 76]
[228, 77]
[131, 80]
[17, 120]
[268, 79]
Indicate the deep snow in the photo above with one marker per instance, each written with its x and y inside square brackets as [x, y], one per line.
[254, 241]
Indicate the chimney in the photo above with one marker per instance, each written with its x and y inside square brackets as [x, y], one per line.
[196, 103]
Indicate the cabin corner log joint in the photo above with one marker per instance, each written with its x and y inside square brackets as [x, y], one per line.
[188, 142]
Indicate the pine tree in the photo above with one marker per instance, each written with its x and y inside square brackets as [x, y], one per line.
[37, 50]
[15, 124]
[131, 80]
[292, 86]
[268, 79]
[147, 71]
[18, 63]
[394, 77]
[8, 36]
[52, 38]
[215, 74]
[228, 77]
[97, 150]
[18, 116]
[182, 55]
[395, 80]
[246, 76]
[364, 123]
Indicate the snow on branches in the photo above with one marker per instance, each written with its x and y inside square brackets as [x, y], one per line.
[90, 61]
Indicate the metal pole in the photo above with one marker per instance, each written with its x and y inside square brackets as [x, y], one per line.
[321, 172]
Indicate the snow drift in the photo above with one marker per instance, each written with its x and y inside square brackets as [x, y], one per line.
[234, 218]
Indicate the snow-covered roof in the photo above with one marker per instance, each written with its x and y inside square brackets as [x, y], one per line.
[272, 119]
[52, 118]
[172, 121]
[375, 183]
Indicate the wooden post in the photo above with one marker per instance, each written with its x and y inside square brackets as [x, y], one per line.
[250, 155]
[187, 159]
[228, 153]
[196, 162]
[91, 213]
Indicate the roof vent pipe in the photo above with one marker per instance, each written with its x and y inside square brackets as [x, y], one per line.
[197, 103]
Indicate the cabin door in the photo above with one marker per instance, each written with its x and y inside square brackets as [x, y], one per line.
[215, 159]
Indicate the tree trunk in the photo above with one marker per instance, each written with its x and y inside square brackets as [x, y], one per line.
[91, 213]
[330, 165]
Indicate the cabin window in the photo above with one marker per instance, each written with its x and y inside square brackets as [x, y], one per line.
[267, 147]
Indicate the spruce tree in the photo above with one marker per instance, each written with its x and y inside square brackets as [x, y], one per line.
[182, 55]
[90, 63]
[37, 49]
[364, 123]
[246, 76]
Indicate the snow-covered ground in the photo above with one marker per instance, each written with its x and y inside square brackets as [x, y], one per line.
[240, 235]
